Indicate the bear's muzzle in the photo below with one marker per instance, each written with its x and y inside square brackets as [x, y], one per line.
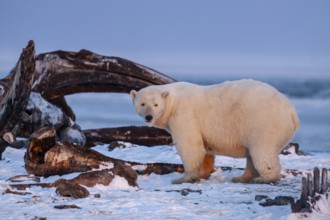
[148, 118]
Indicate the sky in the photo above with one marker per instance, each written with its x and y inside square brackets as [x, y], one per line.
[215, 37]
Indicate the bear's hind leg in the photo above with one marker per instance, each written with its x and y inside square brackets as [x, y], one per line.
[249, 173]
[267, 165]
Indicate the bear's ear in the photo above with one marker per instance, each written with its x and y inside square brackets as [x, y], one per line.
[133, 94]
[165, 94]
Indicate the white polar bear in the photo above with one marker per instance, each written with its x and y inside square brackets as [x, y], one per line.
[244, 118]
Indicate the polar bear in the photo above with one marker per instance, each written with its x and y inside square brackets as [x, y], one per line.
[244, 118]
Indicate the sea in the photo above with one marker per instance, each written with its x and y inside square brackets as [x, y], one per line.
[311, 98]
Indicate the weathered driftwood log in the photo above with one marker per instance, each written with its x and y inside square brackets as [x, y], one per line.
[73, 206]
[312, 191]
[62, 73]
[67, 188]
[73, 187]
[46, 157]
[147, 136]
[89, 179]
[15, 91]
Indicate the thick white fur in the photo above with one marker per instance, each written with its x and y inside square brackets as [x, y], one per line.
[244, 118]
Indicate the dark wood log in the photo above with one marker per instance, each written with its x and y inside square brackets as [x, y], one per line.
[157, 168]
[66, 207]
[309, 184]
[68, 188]
[61, 73]
[92, 178]
[146, 136]
[324, 183]
[310, 193]
[316, 180]
[304, 188]
[72, 187]
[15, 91]
[41, 141]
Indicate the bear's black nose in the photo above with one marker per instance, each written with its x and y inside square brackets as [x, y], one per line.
[148, 118]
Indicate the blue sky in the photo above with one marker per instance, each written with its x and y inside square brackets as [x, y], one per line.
[215, 37]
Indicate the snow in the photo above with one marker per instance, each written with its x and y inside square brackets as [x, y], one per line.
[119, 183]
[156, 197]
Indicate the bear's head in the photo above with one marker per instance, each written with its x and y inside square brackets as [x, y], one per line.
[150, 104]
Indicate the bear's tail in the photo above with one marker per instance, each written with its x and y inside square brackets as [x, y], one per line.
[295, 119]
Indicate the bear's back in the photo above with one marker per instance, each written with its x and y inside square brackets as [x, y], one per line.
[246, 94]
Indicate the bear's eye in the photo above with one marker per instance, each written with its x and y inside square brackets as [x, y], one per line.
[143, 104]
[155, 105]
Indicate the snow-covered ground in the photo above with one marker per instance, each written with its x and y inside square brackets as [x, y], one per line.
[156, 197]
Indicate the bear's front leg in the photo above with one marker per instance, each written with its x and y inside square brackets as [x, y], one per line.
[193, 154]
